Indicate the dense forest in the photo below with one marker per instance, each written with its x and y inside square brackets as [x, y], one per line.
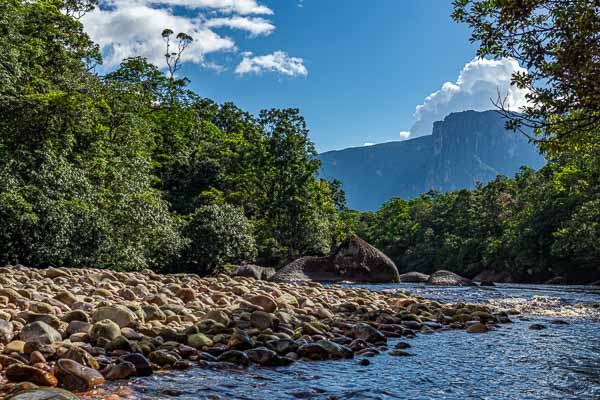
[536, 227]
[131, 169]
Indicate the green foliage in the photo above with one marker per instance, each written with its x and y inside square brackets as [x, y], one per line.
[132, 170]
[217, 234]
[543, 223]
[535, 226]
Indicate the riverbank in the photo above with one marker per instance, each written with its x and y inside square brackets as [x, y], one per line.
[512, 361]
[78, 328]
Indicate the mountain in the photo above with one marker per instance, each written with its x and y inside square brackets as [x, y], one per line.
[465, 148]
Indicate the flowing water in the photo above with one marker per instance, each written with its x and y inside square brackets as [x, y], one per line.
[511, 362]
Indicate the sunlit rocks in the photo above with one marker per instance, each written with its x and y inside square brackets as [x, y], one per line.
[413, 277]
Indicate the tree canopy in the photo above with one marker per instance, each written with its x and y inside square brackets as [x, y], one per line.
[132, 169]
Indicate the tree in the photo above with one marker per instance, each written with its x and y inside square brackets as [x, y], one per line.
[558, 41]
[292, 206]
[217, 234]
[173, 54]
[112, 171]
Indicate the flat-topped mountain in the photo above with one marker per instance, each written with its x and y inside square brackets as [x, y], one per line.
[465, 148]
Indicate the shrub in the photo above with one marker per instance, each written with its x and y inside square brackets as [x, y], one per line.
[217, 234]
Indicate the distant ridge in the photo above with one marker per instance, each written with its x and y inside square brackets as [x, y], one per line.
[465, 148]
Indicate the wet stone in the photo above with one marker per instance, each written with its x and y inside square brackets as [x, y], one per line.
[22, 373]
[76, 377]
[142, 364]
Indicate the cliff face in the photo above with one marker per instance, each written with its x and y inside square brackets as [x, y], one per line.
[465, 148]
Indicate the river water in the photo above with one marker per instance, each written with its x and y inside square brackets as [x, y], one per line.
[512, 362]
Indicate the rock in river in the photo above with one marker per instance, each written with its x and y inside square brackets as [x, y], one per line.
[447, 278]
[354, 260]
[414, 277]
[477, 327]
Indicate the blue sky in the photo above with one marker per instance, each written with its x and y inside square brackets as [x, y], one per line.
[356, 71]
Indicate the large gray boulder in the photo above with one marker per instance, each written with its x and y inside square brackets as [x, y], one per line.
[414, 277]
[254, 271]
[447, 278]
[353, 261]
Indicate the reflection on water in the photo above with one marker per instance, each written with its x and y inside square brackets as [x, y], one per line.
[512, 362]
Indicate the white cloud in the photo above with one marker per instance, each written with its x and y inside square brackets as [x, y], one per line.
[278, 61]
[127, 28]
[479, 82]
[368, 144]
[404, 135]
[134, 30]
[256, 26]
[244, 7]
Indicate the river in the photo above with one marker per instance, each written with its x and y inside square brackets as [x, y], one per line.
[511, 362]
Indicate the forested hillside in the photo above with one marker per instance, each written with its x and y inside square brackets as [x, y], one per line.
[533, 228]
[132, 170]
[465, 148]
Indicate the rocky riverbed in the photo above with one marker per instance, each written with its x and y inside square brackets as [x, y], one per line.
[76, 329]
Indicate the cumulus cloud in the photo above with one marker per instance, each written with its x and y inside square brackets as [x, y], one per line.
[479, 82]
[368, 144]
[127, 28]
[404, 135]
[278, 61]
[134, 30]
[256, 26]
[244, 7]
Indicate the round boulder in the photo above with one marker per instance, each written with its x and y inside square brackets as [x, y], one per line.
[447, 278]
[354, 260]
